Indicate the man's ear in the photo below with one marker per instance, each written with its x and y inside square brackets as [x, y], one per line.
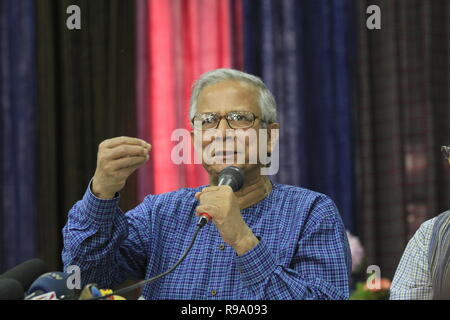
[272, 135]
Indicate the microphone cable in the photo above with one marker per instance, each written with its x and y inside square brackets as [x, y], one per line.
[142, 283]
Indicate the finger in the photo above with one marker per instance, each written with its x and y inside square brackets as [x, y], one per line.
[206, 208]
[128, 162]
[209, 189]
[128, 171]
[209, 197]
[124, 151]
[114, 142]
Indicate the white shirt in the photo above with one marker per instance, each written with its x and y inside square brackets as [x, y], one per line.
[412, 280]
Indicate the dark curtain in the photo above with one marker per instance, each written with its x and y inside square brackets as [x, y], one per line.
[303, 50]
[86, 91]
[17, 132]
[403, 118]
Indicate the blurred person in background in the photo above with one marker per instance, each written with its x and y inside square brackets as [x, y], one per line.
[424, 269]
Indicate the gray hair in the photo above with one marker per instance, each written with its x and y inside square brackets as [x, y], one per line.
[266, 100]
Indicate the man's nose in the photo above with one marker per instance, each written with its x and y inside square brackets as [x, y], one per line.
[226, 132]
[223, 125]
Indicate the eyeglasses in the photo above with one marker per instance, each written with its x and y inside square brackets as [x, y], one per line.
[446, 152]
[235, 119]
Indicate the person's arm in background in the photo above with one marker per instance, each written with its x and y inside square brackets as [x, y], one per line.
[319, 270]
[98, 237]
[412, 279]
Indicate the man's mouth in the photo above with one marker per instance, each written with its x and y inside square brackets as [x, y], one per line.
[226, 154]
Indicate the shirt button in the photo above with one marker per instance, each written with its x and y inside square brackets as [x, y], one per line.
[213, 292]
[221, 247]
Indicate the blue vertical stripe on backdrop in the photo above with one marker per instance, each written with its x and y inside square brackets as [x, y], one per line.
[18, 132]
[303, 51]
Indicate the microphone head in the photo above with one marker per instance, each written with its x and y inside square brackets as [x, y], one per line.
[11, 289]
[232, 176]
[52, 281]
[26, 272]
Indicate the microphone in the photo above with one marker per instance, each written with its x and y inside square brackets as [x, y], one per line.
[230, 176]
[11, 289]
[51, 282]
[91, 291]
[26, 272]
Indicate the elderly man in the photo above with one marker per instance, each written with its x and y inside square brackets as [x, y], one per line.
[424, 269]
[266, 241]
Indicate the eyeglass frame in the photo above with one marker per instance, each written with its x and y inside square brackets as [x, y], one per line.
[225, 116]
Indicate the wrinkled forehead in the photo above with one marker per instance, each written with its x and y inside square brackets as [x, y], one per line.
[229, 95]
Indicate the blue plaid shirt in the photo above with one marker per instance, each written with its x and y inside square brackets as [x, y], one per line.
[303, 251]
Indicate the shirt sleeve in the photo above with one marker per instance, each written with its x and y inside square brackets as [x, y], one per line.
[320, 268]
[107, 245]
[412, 278]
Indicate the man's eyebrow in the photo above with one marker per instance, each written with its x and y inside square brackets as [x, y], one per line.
[239, 108]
